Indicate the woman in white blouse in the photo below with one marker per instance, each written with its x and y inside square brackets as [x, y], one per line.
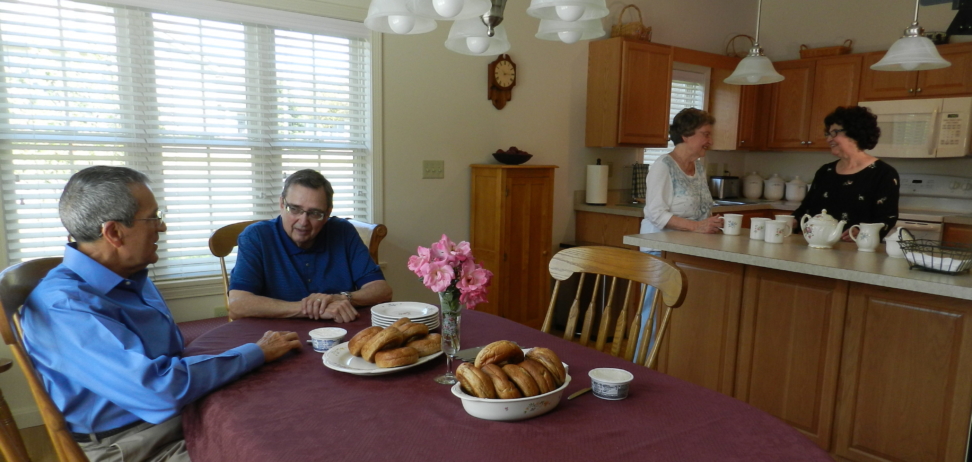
[677, 195]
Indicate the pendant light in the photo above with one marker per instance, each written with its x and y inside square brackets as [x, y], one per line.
[755, 68]
[568, 10]
[392, 17]
[448, 9]
[912, 52]
[570, 32]
[472, 37]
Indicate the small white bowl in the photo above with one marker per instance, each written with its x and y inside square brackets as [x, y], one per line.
[612, 384]
[510, 409]
[324, 338]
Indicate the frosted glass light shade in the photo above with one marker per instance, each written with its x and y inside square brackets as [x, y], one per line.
[570, 32]
[911, 54]
[383, 13]
[754, 70]
[548, 9]
[427, 8]
[474, 28]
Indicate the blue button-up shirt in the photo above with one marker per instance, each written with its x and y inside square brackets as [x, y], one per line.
[109, 351]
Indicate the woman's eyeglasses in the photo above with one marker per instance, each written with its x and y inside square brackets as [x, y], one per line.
[833, 133]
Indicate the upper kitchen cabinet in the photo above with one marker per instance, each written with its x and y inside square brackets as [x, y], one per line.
[812, 88]
[629, 85]
[955, 80]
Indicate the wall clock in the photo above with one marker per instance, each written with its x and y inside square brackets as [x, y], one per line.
[501, 79]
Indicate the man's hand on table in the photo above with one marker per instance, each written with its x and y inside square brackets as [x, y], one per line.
[275, 344]
[328, 306]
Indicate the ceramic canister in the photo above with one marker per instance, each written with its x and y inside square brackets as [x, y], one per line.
[796, 189]
[752, 186]
[773, 188]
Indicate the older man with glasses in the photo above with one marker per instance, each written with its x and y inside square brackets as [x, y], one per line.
[304, 263]
[102, 338]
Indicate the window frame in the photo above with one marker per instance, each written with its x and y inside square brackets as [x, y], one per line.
[687, 72]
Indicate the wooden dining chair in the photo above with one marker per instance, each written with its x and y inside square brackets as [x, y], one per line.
[221, 244]
[640, 270]
[371, 234]
[16, 283]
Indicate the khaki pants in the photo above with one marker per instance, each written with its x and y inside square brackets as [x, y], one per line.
[146, 442]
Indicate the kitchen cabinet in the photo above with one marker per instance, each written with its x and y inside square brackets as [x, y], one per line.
[701, 342]
[789, 348]
[906, 377]
[812, 88]
[736, 108]
[629, 86]
[605, 229]
[511, 235]
[957, 233]
[955, 80]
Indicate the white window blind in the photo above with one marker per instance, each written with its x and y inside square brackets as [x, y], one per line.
[216, 113]
[688, 90]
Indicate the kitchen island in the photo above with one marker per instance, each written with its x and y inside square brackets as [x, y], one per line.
[869, 359]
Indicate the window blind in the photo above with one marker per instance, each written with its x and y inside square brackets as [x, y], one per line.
[216, 113]
[688, 90]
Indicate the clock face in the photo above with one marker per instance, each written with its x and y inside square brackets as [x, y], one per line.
[504, 74]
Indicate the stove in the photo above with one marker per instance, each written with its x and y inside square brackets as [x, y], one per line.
[926, 199]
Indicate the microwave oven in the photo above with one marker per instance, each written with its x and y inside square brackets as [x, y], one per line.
[923, 128]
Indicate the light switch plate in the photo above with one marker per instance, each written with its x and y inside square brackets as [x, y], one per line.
[433, 169]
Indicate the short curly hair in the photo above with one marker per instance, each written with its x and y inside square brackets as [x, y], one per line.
[859, 125]
[687, 121]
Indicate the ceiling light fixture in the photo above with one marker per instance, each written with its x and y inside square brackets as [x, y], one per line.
[477, 29]
[912, 52]
[755, 68]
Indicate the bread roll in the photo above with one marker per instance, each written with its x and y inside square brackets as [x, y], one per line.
[397, 357]
[522, 379]
[499, 352]
[428, 345]
[359, 339]
[540, 374]
[505, 389]
[387, 339]
[413, 330]
[475, 382]
[549, 360]
[400, 322]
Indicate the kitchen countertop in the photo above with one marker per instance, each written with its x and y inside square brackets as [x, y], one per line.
[794, 255]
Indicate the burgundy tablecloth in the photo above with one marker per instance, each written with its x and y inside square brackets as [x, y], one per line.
[296, 409]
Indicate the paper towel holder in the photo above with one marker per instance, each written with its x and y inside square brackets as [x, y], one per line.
[597, 184]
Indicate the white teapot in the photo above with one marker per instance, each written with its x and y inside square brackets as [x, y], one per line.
[821, 231]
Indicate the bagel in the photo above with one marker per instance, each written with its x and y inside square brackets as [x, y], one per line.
[413, 330]
[540, 374]
[387, 339]
[359, 339]
[505, 389]
[397, 357]
[499, 352]
[428, 345]
[522, 379]
[400, 322]
[475, 382]
[551, 361]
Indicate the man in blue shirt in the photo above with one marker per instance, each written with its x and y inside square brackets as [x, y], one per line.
[103, 339]
[304, 263]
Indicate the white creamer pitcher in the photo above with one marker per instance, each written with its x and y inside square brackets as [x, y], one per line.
[868, 236]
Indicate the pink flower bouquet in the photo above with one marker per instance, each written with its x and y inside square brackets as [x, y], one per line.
[447, 268]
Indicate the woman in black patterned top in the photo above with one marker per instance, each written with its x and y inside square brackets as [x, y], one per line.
[858, 187]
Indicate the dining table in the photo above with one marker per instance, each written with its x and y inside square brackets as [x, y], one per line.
[297, 409]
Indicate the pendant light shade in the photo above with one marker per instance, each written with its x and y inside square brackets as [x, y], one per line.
[448, 9]
[568, 10]
[470, 37]
[570, 32]
[912, 52]
[754, 69]
[392, 17]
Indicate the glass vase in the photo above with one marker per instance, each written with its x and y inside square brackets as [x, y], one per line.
[450, 317]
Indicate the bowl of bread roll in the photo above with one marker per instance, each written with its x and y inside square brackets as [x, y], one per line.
[509, 383]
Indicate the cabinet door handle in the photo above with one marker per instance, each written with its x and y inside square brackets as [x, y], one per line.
[911, 90]
[918, 90]
[809, 143]
[742, 141]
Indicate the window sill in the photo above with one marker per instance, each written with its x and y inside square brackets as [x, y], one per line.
[190, 288]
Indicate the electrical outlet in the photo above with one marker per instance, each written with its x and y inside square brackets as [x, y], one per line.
[220, 312]
[610, 169]
[433, 169]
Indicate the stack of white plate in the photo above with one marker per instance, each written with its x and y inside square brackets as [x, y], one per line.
[386, 314]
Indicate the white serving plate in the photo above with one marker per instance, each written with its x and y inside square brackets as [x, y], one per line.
[341, 360]
[411, 310]
[510, 409]
[431, 325]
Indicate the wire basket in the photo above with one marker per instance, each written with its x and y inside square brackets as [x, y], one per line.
[634, 29]
[807, 52]
[937, 256]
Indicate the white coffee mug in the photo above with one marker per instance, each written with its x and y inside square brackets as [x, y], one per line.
[731, 224]
[776, 231]
[868, 236]
[757, 228]
[785, 218]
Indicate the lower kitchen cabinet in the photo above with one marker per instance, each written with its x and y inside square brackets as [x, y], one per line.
[789, 348]
[906, 377]
[700, 345]
[605, 229]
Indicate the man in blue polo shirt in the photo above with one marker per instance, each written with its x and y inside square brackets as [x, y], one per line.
[304, 263]
[102, 338]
